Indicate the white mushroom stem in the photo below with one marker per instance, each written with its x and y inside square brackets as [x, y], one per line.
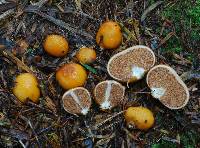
[137, 72]
[157, 92]
[106, 104]
[84, 111]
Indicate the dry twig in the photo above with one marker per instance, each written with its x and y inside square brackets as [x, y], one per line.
[108, 119]
[17, 61]
[58, 22]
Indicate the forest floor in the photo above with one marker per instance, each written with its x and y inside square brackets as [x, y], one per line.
[170, 28]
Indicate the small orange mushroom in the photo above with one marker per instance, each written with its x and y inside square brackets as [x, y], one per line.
[86, 55]
[139, 117]
[109, 35]
[56, 45]
[26, 87]
[71, 75]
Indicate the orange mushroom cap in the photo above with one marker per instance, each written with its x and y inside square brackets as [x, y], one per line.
[109, 35]
[86, 55]
[56, 45]
[71, 75]
[26, 87]
[139, 117]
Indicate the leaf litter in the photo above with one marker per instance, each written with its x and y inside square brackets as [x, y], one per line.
[44, 124]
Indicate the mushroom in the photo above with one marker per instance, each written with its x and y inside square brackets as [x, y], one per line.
[77, 101]
[109, 94]
[167, 87]
[109, 35]
[26, 87]
[71, 75]
[131, 64]
[56, 45]
[86, 55]
[139, 117]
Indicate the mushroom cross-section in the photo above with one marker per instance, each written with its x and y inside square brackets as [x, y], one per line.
[109, 94]
[131, 64]
[77, 101]
[167, 86]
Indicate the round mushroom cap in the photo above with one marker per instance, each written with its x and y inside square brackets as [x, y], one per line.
[139, 117]
[109, 35]
[26, 87]
[56, 45]
[86, 55]
[71, 75]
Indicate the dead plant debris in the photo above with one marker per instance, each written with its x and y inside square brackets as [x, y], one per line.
[23, 27]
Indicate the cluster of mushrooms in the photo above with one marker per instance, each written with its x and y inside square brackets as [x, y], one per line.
[127, 66]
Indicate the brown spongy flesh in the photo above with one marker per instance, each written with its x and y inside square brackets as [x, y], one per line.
[175, 94]
[120, 66]
[84, 98]
[116, 94]
[70, 104]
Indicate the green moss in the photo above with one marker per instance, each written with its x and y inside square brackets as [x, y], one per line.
[173, 45]
[194, 13]
[185, 15]
[189, 139]
[164, 144]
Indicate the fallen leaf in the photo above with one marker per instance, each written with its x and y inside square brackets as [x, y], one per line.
[2, 46]
[168, 36]
[17, 61]
[78, 4]
[136, 26]
[149, 9]
[91, 69]
[50, 104]
[129, 34]
[190, 75]
[18, 134]
[23, 45]
[178, 138]
[164, 131]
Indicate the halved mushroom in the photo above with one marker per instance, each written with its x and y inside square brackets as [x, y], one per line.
[77, 101]
[167, 86]
[109, 94]
[131, 64]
